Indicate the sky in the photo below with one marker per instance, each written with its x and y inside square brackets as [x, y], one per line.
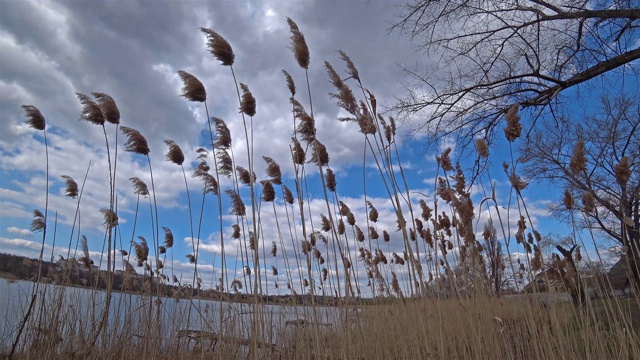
[132, 51]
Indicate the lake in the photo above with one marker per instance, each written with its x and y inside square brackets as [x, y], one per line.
[75, 310]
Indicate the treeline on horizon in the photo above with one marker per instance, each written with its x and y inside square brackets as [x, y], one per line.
[73, 273]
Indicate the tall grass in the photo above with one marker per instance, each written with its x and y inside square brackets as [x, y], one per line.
[439, 294]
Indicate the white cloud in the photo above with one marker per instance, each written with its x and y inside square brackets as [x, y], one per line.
[21, 232]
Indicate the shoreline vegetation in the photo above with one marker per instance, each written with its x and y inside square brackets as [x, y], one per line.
[439, 293]
[15, 267]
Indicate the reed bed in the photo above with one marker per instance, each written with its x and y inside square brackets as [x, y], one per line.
[441, 294]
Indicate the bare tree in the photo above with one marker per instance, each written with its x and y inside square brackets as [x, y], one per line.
[597, 162]
[484, 56]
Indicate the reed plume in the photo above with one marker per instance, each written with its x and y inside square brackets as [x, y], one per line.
[141, 249]
[268, 192]
[168, 237]
[319, 155]
[273, 171]
[623, 171]
[481, 148]
[288, 195]
[35, 119]
[219, 47]
[136, 143]
[223, 134]
[38, 223]
[373, 212]
[514, 128]
[85, 259]
[345, 97]
[110, 218]
[139, 186]
[330, 179]
[248, 102]
[351, 68]
[236, 231]
[290, 84]
[192, 88]
[90, 112]
[71, 187]
[108, 107]
[299, 45]
[237, 206]
[244, 176]
[174, 154]
[297, 153]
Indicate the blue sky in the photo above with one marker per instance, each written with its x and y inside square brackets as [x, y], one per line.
[133, 50]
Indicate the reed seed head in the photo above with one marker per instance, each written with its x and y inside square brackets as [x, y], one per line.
[365, 120]
[225, 164]
[326, 224]
[110, 218]
[516, 182]
[85, 259]
[175, 154]
[244, 176]
[359, 234]
[192, 88]
[168, 237]
[288, 195]
[274, 249]
[237, 206]
[35, 119]
[90, 112]
[247, 102]
[481, 148]
[136, 143]
[191, 258]
[273, 170]
[385, 235]
[588, 202]
[330, 178]
[38, 222]
[299, 45]
[223, 134]
[395, 285]
[341, 227]
[373, 234]
[578, 161]
[219, 47]
[568, 200]
[290, 84]
[71, 187]
[306, 129]
[139, 186]
[236, 231]
[268, 192]
[445, 160]
[141, 249]
[297, 154]
[108, 106]
[351, 68]
[373, 212]
[514, 128]
[345, 97]
[319, 155]
[623, 172]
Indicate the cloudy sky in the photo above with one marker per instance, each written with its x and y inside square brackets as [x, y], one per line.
[132, 51]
